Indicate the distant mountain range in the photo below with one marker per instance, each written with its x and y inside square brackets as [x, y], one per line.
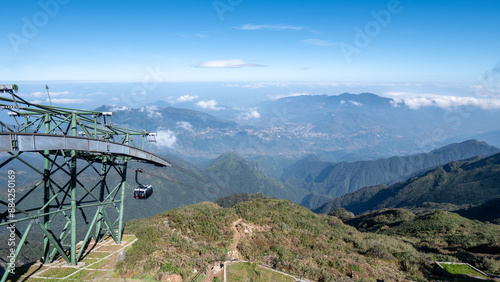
[474, 181]
[343, 127]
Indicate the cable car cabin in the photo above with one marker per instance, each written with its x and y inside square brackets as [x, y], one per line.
[143, 191]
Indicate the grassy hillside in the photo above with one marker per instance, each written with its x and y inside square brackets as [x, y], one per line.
[234, 199]
[474, 181]
[278, 233]
[440, 235]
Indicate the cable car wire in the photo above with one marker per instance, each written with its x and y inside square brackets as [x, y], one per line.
[181, 169]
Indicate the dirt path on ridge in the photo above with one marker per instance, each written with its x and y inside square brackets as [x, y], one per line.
[234, 253]
[216, 270]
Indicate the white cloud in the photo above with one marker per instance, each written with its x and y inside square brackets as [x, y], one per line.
[70, 101]
[62, 101]
[233, 63]
[115, 99]
[397, 94]
[284, 84]
[185, 98]
[96, 93]
[249, 85]
[165, 138]
[208, 104]
[117, 109]
[357, 104]
[269, 27]
[446, 102]
[276, 97]
[185, 125]
[321, 84]
[320, 42]
[152, 112]
[249, 115]
[39, 94]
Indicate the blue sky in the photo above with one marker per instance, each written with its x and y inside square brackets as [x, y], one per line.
[416, 47]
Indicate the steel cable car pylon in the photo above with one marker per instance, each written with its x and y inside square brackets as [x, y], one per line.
[74, 145]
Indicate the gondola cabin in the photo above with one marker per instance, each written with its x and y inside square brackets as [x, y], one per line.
[143, 191]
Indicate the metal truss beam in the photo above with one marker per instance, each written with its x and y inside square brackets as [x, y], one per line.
[33, 142]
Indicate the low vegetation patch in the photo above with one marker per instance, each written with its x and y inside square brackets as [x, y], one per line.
[181, 241]
[440, 235]
[286, 236]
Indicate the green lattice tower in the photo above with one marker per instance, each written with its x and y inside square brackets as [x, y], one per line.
[64, 194]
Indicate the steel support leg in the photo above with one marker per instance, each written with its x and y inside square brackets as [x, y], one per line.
[46, 191]
[101, 199]
[73, 194]
[122, 202]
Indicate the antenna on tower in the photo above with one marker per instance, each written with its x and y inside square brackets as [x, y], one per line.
[48, 94]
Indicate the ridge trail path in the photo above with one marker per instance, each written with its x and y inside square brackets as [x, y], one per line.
[216, 270]
[235, 256]
[234, 253]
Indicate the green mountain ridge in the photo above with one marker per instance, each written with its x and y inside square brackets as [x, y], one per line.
[238, 176]
[473, 181]
[337, 179]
